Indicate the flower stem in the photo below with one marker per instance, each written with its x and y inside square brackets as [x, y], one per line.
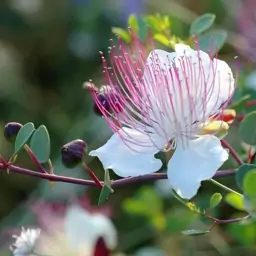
[224, 187]
[93, 176]
[232, 152]
[34, 158]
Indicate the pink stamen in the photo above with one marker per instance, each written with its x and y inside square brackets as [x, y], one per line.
[166, 99]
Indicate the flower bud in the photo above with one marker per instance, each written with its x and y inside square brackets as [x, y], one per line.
[106, 102]
[217, 128]
[101, 248]
[228, 116]
[73, 152]
[11, 130]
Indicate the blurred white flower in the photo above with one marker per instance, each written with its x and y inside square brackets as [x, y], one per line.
[27, 7]
[79, 234]
[25, 242]
[83, 228]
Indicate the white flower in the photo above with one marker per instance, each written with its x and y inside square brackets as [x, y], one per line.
[162, 104]
[25, 242]
[79, 234]
[83, 230]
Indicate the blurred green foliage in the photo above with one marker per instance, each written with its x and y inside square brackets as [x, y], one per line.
[48, 50]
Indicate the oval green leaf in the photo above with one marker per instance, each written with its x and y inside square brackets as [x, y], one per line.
[122, 33]
[235, 201]
[162, 39]
[40, 144]
[212, 41]
[202, 23]
[193, 232]
[104, 194]
[241, 172]
[133, 23]
[23, 136]
[249, 183]
[215, 200]
[247, 129]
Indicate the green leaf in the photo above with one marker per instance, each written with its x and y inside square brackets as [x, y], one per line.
[240, 104]
[162, 39]
[249, 183]
[144, 199]
[104, 194]
[143, 29]
[215, 200]
[247, 129]
[212, 41]
[106, 190]
[122, 33]
[202, 23]
[40, 144]
[193, 232]
[241, 172]
[23, 136]
[235, 201]
[154, 23]
[250, 205]
[133, 23]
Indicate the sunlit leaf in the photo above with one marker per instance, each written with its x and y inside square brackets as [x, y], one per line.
[162, 39]
[235, 201]
[202, 23]
[133, 23]
[193, 232]
[154, 23]
[40, 144]
[215, 200]
[249, 183]
[122, 33]
[247, 129]
[241, 172]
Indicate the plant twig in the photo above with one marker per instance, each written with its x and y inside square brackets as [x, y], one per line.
[232, 151]
[34, 159]
[219, 221]
[117, 183]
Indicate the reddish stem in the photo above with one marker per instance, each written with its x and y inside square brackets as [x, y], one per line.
[232, 152]
[93, 176]
[252, 157]
[117, 183]
[34, 159]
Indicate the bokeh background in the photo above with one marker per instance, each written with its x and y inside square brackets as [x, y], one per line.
[47, 50]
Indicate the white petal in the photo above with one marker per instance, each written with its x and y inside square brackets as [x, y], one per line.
[83, 229]
[198, 161]
[210, 81]
[106, 230]
[125, 157]
[183, 88]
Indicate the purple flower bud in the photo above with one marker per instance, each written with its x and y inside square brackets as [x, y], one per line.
[73, 152]
[106, 102]
[11, 130]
